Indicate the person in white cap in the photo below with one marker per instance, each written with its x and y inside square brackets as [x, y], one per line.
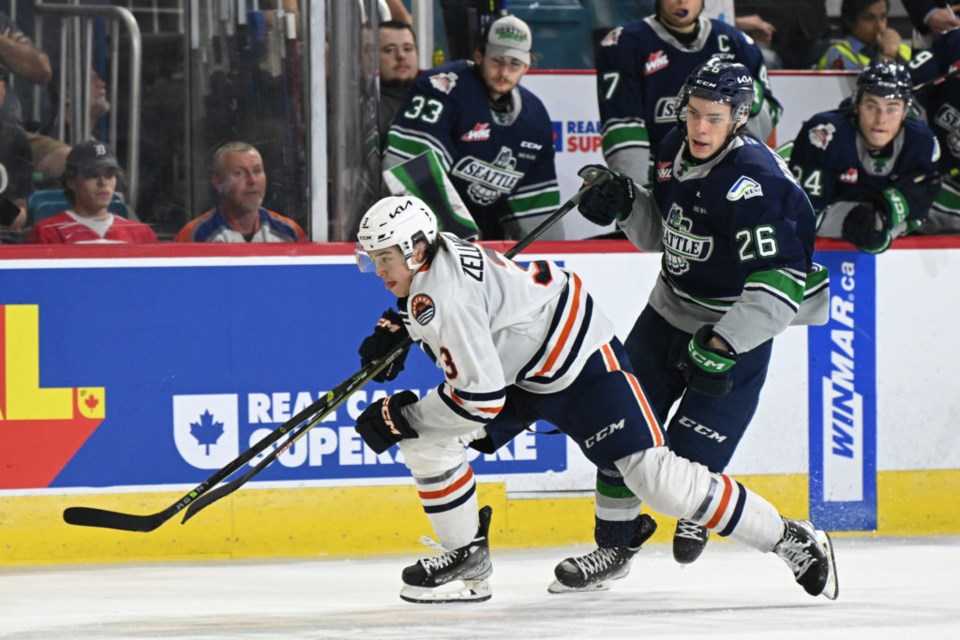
[474, 144]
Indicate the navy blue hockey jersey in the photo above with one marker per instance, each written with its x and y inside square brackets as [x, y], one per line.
[831, 162]
[737, 235]
[501, 164]
[641, 68]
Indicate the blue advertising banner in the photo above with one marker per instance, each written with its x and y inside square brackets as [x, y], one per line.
[154, 372]
[843, 402]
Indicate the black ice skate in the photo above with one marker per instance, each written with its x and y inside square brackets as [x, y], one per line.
[455, 576]
[595, 571]
[809, 554]
[689, 540]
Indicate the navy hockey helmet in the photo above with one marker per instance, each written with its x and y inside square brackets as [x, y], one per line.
[403, 221]
[885, 79]
[719, 81]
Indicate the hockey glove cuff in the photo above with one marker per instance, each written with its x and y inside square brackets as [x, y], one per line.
[895, 206]
[612, 200]
[382, 425]
[707, 369]
[388, 333]
[867, 228]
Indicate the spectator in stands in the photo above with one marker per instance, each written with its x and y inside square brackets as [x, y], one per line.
[398, 70]
[474, 144]
[867, 38]
[16, 168]
[792, 34]
[241, 183]
[91, 178]
[931, 18]
[869, 169]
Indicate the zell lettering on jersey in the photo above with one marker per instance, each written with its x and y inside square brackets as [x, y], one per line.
[657, 61]
[480, 133]
[842, 402]
[680, 245]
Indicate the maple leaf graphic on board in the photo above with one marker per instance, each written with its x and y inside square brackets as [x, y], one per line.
[91, 401]
[207, 431]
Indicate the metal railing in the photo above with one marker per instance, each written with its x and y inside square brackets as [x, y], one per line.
[76, 61]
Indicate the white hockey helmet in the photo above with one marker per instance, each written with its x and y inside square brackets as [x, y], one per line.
[403, 221]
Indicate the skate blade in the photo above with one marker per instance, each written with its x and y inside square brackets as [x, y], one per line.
[832, 588]
[456, 591]
[557, 587]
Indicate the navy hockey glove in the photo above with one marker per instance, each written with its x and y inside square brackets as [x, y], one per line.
[382, 425]
[707, 369]
[867, 228]
[612, 200]
[388, 333]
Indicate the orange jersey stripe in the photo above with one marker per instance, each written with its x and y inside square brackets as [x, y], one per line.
[567, 327]
[433, 495]
[610, 358]
[724, 501]
[648, 413]
[495, 410]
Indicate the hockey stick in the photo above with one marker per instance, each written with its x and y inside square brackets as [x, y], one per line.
[923, 86]
[593, 177]
[294, 428]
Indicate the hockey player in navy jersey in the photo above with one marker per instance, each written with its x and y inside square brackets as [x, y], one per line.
[869, 169]
[475, 144]
[941, 104]
[737, 236]
[641, 67]
[519, 344]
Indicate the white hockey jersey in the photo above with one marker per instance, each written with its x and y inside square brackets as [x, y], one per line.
[489, 323]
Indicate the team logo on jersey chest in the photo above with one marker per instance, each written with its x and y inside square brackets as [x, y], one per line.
[612, 38]
[480, 133]
[444, 82]
[681, 247]
[948, 118]
[656, 61]
[422, 308]
[489, 180]
[849, 176]
[822, 134]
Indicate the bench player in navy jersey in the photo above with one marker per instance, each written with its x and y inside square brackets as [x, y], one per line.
[737, 236]
[518, 344]
[869, 169]
[641, 67]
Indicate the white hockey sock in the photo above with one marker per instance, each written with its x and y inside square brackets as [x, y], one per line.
[450, 502]
[679, 488]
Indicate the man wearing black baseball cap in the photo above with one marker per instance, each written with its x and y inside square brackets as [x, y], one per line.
[91, 178]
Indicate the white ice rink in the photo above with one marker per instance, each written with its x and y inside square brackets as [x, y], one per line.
[902, 589]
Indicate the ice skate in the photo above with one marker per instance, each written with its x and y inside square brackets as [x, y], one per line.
[689, 540]
[454, 576]
[809, 554]
[595, 571]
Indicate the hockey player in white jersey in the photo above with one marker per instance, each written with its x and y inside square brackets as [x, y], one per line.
[516, 345]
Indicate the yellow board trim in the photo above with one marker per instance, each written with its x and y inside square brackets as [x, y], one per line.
[356, 521]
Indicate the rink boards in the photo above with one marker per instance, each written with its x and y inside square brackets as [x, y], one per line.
[129, 375]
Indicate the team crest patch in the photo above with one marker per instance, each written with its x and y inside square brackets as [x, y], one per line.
[822, 134]
[744, 189]
[655, 62]
[444, 82]
[422, 308]
[611, 38]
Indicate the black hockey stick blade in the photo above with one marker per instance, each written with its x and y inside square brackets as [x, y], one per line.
[91, 517]
[923, 86]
